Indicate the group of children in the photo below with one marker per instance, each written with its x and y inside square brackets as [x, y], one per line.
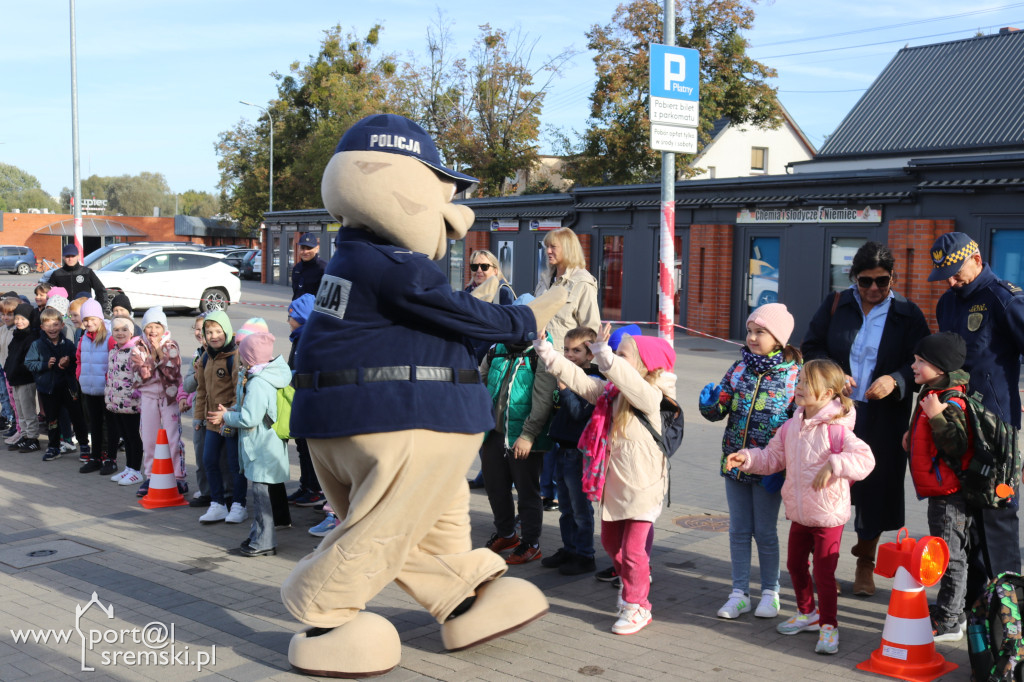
[789, 441]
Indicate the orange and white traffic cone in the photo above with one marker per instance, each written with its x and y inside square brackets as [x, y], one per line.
[907, 651]
[163, 487]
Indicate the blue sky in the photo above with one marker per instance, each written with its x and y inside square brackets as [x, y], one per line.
[157, 81]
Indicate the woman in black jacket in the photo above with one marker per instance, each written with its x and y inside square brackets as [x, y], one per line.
[871, 331]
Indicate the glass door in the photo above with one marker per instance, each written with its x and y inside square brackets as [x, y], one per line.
[762, 272]
[610, 280]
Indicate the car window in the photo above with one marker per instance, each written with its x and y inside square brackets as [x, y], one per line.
[125, 262]
[23, 250]
[159, 263]
[191, 261]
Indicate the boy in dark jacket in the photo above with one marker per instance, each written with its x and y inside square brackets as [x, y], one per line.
[51, 359]
[571, 414]
[309, 493]
[21, 380]
[938, 446]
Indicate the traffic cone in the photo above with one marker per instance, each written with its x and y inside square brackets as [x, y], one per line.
[163, 487]
[907, 651]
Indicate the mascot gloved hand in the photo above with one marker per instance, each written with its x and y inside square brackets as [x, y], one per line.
[392, 407]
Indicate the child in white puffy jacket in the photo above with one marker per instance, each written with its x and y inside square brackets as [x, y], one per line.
[821, 455]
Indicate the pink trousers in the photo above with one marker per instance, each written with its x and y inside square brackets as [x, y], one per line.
[823, 545]
[626, 544]
[153, 417]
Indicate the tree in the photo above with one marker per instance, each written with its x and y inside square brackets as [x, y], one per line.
[21, 190]
[202, 204]
[615, 148]
[135, 195]
[316, 102]
[484, 111]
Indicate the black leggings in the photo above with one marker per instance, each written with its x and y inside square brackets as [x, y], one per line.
[95, 419]
[126, 426]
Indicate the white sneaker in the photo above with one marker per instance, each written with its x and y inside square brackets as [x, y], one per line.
[632, 618]
[237, 514]
[801, 622]
[828, 640]
[196, 495]
[768, 607]
[130, 477]
[216, 512]
[738, 603]
[119, 475]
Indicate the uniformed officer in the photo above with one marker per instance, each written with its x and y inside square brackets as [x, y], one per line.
[77, 278]
[307, 273]
[989, 314]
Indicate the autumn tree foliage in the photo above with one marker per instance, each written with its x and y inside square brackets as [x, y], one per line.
[615, 147]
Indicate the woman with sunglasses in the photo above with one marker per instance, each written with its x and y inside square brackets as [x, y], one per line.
[483, 265]
[871, 331]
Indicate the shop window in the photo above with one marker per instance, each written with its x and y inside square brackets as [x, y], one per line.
[456, 263]
[840, 260]
[758, 159]
[612, 251]
[1008, 255]
[763, 272]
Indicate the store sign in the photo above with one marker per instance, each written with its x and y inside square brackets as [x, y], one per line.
[674, 98]
[543, 224]
[505, 225]
[820, 214]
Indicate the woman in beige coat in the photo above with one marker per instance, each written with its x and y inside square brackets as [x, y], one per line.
[624, 467]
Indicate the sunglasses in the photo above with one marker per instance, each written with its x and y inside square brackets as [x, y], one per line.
[881, 282]
[480, 266]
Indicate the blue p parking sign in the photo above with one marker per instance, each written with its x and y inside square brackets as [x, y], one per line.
[675, 72]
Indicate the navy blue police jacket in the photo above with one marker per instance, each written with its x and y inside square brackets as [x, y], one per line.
[989, 314]
[306, 276]
[383, 306]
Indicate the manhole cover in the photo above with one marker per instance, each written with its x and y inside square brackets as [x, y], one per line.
[705, 522]
[36, 553]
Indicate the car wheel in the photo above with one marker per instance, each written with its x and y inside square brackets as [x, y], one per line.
[767, 297]
[213, 299]
[24, 269]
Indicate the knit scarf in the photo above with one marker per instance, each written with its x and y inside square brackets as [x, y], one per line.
[759, 364]
[594, 443]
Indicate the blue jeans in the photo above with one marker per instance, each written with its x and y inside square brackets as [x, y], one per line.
[548, 484]
[576, 522]
[5, 400]
[948, 519]
[261, 533]
[212, 462]
[753, 512]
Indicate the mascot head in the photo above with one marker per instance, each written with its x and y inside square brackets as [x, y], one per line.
[386, 177]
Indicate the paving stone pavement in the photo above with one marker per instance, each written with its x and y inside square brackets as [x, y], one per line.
[158, 570]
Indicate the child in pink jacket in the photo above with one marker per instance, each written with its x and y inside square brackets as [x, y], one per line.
[821, 455]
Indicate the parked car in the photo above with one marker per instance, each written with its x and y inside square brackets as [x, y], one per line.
[237, 259]
[17, 259]
[173, 278]
[111, 252]
[257, 264]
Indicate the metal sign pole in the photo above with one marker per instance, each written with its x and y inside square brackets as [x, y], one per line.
[77, 199]
[666, 280]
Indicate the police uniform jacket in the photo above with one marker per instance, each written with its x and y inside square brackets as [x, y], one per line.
[385, 348]
[79, 279]
[306, 277]
[989, 314]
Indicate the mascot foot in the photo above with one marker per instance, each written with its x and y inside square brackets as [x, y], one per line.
[365, 646]
[547, 305]
[502, 606]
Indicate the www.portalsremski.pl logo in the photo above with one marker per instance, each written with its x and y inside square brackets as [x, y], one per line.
[155, 640]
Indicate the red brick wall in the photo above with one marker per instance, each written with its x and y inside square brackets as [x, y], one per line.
[585, 244]
[910, 242]
[709, 284]
[19, 230]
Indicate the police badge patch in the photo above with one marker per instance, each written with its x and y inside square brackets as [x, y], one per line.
[974, 321]
[80, 278]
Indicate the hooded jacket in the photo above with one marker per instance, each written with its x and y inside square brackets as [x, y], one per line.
[802, 447]
[262, 455]
[163, 373]
[21, 339]
[120, 394]
[215, 372]
[37, 360]
[636, 477]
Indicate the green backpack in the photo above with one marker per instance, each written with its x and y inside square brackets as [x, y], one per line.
[284, 412]
[994, 631]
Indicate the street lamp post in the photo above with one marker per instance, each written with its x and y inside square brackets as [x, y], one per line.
[271, 118]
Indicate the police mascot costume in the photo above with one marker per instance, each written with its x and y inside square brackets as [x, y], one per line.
[390, 401]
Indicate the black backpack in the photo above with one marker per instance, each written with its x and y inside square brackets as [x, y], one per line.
[671, 436]
[996, 461]
[994, 631]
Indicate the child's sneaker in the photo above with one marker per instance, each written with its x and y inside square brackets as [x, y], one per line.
[237, 514]
[15, 446]
[297, 494]
[108, 467]
[801, 622]
[143, 489]
[30, 445]
[498, 544]
[183, 487]
[85, 449]
[324, 527]
[130, 477]
[310, 499]
[632, 618]
[50, 454]
[738, 603]
[768, 607]
[89, 467]
[524, 554]
[216, 512]
[607, 575]
[14, 437]
[828, 640]
[947, 633]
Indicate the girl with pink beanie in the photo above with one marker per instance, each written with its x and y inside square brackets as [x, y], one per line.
[624, 468]
[756, 394]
